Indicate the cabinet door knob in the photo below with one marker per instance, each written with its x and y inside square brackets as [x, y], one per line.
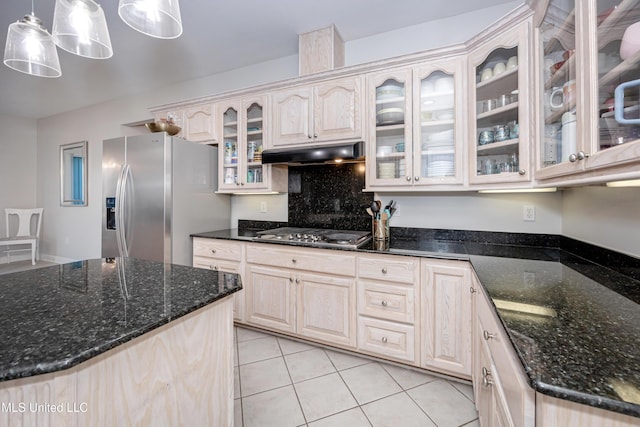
[487, 336]
[573, 157]
[384, 303]
[309, 136]
[409, 178]
[297, 280]
[293, 260]
[522, 171]
[486, 380]
[472, 290]
[213, 267]
[213, 251]
[291, 279]
[417, 178]
[315, 135]
[384, 270]
[384, 340]
[582, 155]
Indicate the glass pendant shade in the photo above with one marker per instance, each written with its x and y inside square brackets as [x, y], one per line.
[155, 18]
[30, 49]
[80, 27]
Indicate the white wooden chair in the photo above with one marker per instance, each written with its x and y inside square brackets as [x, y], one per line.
[24, 235]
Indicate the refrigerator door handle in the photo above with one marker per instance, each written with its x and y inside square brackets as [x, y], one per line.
[121, 188]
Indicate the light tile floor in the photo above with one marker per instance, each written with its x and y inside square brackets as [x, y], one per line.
[281, 382]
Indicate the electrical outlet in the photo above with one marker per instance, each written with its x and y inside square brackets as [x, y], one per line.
[263, 207]
[528, 213]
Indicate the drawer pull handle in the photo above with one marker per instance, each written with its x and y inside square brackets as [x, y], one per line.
[293, 260]
[291, 279]
[384, 270]
[213, 267]
[297, 280]
[384, 340]
[487, 336]
[384, 303]
[213, 251]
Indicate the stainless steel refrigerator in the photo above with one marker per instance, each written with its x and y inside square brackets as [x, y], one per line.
[157, 190]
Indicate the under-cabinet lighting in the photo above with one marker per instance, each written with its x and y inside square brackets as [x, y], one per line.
[257, 193]
[522, 190]
[628, 183]
[525, 308]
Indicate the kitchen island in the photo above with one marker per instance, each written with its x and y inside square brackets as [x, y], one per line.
[571, 311]
[116, 342]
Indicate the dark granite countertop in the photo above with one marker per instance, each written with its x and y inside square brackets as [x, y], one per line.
[56, 317]
[585, 345]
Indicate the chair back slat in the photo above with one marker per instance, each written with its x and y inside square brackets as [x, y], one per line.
[24, 221]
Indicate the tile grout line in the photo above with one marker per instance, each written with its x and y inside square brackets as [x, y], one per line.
[304, 416]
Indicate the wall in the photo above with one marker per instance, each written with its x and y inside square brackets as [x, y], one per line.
[17, 165]
[603, 216]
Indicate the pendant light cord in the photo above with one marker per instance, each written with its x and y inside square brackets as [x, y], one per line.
[32, 8]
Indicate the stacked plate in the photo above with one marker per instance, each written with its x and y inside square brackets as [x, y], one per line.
[434, 140]
[387, 170]
[439, 168]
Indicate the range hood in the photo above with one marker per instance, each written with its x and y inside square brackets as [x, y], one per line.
[334, 153]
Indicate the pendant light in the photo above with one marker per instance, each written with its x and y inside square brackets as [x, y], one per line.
[80, 27]
[30, 48]
[155, 18]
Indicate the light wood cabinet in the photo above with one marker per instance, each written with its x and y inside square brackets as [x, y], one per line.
[416, 126]
[584, 40]
[503, 394]
[446, 316]
[387, 297]
[224, 256]
[200, 124]
[291, 292]
[325, 112]
[501, 107]
[245, 128]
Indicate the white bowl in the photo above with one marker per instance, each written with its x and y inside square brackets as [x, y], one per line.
[389, 91]
[385, 150]
[390, 116]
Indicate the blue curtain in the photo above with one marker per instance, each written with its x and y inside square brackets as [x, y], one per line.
[77, 180]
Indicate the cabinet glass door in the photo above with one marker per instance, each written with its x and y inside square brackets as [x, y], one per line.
[497, 138]
[435, 149]
[230, 136]
[618, 63]
[559, 108]
[254, 145]
[390, 130]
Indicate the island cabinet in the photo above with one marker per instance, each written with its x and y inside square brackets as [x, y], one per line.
[322, 112]
[416, 126]
[501, 390]
[388, 320]
[222, 255]
[588, 113]
[302, 291]
[499, 70]
[446, 307]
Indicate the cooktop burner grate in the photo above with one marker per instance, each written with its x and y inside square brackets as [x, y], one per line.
[316, 237]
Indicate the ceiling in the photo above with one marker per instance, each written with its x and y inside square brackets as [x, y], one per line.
[218, 36]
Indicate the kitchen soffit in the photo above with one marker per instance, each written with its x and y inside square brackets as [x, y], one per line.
[274, 29]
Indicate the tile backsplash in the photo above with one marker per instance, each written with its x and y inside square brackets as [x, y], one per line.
[329, 196]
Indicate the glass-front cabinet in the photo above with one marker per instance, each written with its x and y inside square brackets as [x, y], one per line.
[415, 129]
[588, 55]
[244, 129]
[499, 141]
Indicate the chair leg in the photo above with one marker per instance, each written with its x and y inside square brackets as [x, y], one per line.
[33, 254]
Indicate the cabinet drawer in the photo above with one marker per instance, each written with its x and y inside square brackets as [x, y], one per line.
[389, 268]
[320, 260]
[217, 264]
[518, 394]
[386, 301]
[220, 249]
[387, 339]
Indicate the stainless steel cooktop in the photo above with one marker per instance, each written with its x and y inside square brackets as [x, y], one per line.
[316, 237]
